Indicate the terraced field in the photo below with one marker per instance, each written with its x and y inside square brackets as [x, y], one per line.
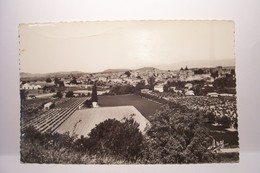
[49, 121]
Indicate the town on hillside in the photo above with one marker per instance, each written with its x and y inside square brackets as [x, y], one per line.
[194, 81]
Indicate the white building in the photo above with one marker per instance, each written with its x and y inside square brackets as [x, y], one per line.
[47, 106]
[28, 86]
[188, 86]
[158, 88]
[213, 94]
[189, 93]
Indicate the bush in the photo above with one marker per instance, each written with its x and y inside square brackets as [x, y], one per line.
[225, 121]
[122, 89]
[210, 118]
[88, 103]
[177, 137]
[69, 94]
[112, 137]
[59, 94]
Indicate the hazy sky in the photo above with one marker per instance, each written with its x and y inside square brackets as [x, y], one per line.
[97, 46]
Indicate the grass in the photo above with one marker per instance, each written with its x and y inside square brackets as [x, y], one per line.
[146, 107]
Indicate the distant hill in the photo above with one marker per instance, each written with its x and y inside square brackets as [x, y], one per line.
[146, 68]
[150, 69]
[31, 75]
[197, 64]
[160, 68]
[115, 70]
[24, 75]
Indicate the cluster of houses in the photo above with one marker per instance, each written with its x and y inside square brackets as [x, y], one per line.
[105, 80]
[188, 75]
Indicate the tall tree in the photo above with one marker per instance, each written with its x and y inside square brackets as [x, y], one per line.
[128, 73]
[74, 80]
[94, 97]
[56, 81]
[151, 82]
[214, 74]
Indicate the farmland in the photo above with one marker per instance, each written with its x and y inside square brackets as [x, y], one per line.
[52, 119]
[49, 121]
[146, 107]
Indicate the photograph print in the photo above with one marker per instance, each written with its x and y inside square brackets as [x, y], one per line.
[128, 92]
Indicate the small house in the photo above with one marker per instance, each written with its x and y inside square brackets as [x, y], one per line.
[47, 106]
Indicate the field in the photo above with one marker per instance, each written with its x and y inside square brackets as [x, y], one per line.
[82, 121]
[146, 107]
[52, 119]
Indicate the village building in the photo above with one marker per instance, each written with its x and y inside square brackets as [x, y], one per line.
[116, 80]
[188, 86]
[189, 93]
[158, 88]
[28, 86]
[184, 74]
[146, 91]
[102, 78]
[213, 94]
[47, 106]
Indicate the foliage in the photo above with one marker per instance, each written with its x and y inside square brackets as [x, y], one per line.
[178, 136]
[209, 118]
[59, 94]
[199, 90]
[120, 139]
[178, 84]
[228, 81]
[199, 71]
[88, 103]
[225, 121]
[56, 81]
[23, 94]
[110, 142]
[151, 82]
[94, 97]
[74, 81]
[69, 94]
[52, 90]
[214, 74]
[122, 89]
[140, 86]
[48, 80]
[128, 73]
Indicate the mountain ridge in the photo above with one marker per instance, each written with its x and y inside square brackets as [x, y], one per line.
[160, 67]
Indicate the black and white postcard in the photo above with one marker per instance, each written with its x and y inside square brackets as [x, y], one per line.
[128, 92]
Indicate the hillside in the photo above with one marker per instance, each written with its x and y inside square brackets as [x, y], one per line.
[197, 64]
[115, 70]
[24, 75]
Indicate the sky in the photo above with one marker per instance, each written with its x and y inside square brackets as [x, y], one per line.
[97, 46]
